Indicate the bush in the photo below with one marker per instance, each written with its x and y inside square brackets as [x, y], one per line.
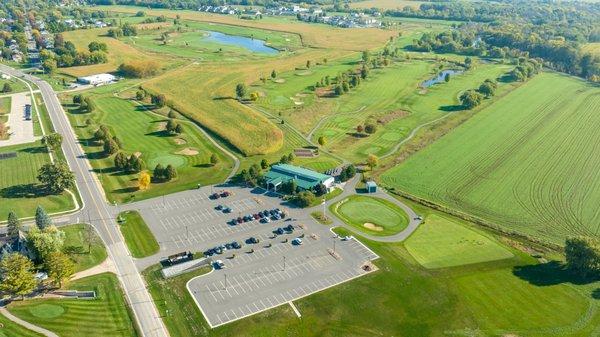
[370, 128]
[138, 69]
[304, 199]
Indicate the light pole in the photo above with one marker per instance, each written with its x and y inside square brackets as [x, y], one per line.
[284, 263]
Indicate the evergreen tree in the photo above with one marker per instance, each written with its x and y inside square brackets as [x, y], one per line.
[13, 225]
[121, 161]
[171, 172]
[42, 219]
[159, 172]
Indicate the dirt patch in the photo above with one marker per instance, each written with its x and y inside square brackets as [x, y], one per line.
[392, 116]
[161, 126]
[373, 227]
[188, 151]
[179, 141]
[324, 92]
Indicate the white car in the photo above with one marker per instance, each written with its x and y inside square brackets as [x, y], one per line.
[347, 238]
[297, 242]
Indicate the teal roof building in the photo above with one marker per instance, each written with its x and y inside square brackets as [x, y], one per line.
[305, 179]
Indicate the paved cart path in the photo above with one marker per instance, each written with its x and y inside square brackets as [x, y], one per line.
[25, 324]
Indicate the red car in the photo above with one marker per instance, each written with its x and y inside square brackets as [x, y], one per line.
[256, 216]
[240, 220]
[225, 194]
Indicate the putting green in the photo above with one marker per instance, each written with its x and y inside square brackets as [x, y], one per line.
[164, 160]
[371, 215]
[440, 242]
[47, 311]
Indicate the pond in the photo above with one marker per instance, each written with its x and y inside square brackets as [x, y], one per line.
[254, 45]
[440, 77]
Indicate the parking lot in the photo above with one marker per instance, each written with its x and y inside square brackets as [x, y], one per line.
[268, 266]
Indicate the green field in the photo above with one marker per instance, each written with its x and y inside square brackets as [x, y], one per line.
[371, 215]
[143, 132]
[15, 84]
[461, 301]
[10, 329]
[4, 109]
[76, 245]
[19, 189]
[528, 162]
[106, 316]
[440, 242]
[138, 237]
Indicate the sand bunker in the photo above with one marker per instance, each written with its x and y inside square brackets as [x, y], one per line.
[279, 80]
[179, 141]
[372, 226]
[188, 151]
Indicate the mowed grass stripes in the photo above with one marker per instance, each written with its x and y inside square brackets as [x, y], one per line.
[18, 182]
[105, 316]
[528, 162]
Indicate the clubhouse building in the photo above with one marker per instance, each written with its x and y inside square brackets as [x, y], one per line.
[305, 179]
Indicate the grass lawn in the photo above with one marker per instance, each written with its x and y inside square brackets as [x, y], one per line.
[179, 311]
[441, 242]
[371, 215]
[15, 84]
[106, 316]
[461, 301]
[19, 189]
[76, 245]
[4, 109]
[142, 132]
[527, 162]
[321, 218]
[10, 329]
[138, 237]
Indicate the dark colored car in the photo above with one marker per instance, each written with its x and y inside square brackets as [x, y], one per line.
[236, 245]
[226, 210]
[289, 228]
[279, 231]
[252, 240]
[225, 194]
[215, 196]
[256, 216]
[240, 220]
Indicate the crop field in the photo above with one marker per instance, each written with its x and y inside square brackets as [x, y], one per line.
[440, 242]
[527, 162]
[19, 189]
[371, 215]
[143, 133]
[118, 52]
[107, 315]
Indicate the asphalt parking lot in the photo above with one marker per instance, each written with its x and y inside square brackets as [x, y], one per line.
[259, 276]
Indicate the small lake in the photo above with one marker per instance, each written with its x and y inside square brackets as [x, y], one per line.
[254, 45]
[440, 77]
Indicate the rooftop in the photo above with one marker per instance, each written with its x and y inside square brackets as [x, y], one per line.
[305, 178]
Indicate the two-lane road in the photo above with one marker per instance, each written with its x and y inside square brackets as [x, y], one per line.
[96, 209]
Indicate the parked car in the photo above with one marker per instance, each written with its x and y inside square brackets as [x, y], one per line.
[289, 228]
[240, 220]
[226, 210]
[219, 207]
[256, 216]
[297, 242]
[225, 194]
[347, 238]
[236, 245]
[215, 196]
[279, 231]
[218, 264]
[252, 240]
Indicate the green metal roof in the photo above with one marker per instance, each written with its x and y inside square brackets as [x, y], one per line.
[304, 178]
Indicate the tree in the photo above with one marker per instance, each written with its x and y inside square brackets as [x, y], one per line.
[77, 99]
[370, 128]
[320, 189]
[6, 88]
[486, 89]
[447, 78]
[56, 177]
[170, 172]
[17, 273]
[364, 72]
[110, 147]
[178, 129]
[159, 172]
[273, 74]
[372, 161]
[140, 95]
[366, 56]
[360, 129]
[170, 127]
[264, 164]
[240, 90]
[42, 219]
[49, 66]
[350, 171]
[583, 255]
[87, 104]
[159, 100]
[102, 133]
[304, 198]
[468, 62]
[13, 225]
[338, 91]
[144, 181]
[321, 140]
[214, 159]
[470, 99]
[134, 164]
[254, 96]
[308, 64]
[52, 141]
[121, 161]
[172, 114]
[60, 267]
[45, 241]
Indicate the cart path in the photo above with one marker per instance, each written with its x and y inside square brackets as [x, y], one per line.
[25, 324]
[350, 189]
